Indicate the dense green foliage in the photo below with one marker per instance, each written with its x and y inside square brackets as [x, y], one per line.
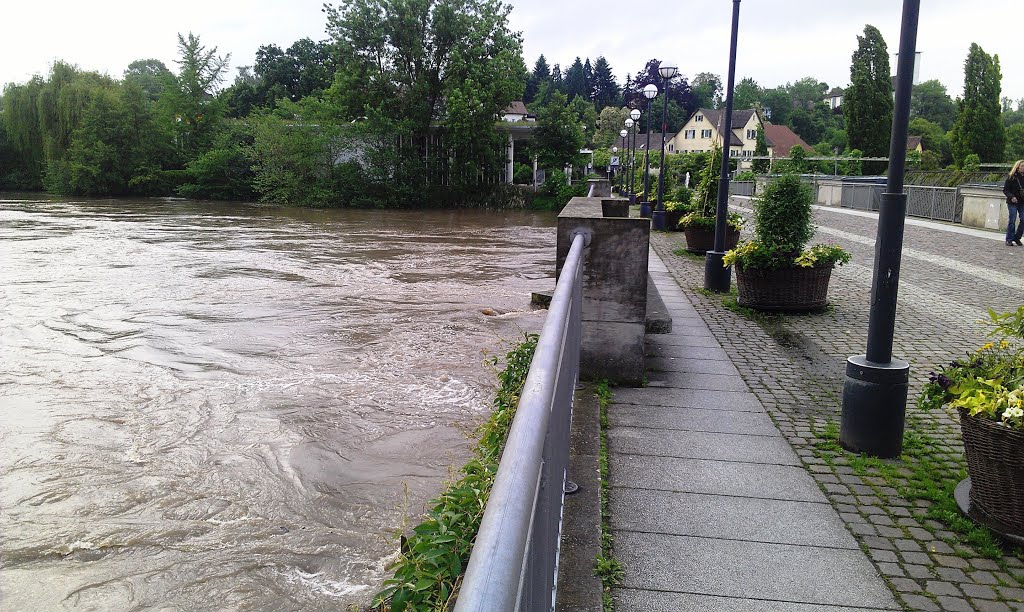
[978, 128]
[435, 555]
[868, 101]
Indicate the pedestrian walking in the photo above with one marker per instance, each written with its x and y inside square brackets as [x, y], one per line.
[1014, 190]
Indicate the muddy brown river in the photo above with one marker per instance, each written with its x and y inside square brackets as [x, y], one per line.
[210, 406]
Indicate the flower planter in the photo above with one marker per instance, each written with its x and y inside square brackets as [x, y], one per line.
[994, 453]
[788, 289]
[672, 218]
[702, 240]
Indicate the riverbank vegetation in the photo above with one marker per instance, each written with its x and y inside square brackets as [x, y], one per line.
[374, 117]
[433, 558]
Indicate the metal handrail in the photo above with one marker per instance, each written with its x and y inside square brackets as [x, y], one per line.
[514, 561]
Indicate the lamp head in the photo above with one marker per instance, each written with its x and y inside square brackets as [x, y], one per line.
[623, 133]
[615, 149]
[634, 114]
[629, 123]
[667, 71]
[651, 91]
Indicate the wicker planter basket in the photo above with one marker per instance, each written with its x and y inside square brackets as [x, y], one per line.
[789, 289]
[995, 456]
[702, 240]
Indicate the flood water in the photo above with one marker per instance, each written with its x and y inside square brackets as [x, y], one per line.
[209, 406]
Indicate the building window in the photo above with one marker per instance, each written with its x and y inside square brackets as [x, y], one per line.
[690, 134]
[733, 152]
[751, 134]
[670, 148]
[700, 118]
[705, 133]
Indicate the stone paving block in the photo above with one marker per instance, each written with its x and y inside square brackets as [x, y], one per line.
[734, 518]
[701, 445]
[696, 380]
[628, 600]
[728, 568]
[920, 602]
[954, 604]
[710, 399]
[686, 364]
[691, 419]
[714, 477]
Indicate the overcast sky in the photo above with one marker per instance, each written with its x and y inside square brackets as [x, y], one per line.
[779, 40]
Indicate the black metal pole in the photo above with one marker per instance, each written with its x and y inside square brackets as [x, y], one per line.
[647, 155]
[875, 389]
[658, 218]
[718, 277]
[632, 164]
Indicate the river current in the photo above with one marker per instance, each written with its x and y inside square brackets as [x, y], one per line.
[210, 406]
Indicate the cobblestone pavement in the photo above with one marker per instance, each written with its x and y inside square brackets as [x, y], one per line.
[795, 365]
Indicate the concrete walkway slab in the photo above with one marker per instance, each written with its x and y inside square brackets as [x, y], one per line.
[677, 474]
[692, 419]
[710, 507]
[756, 570]
[701, 445]
[730, 518]
[633, 599]
[697, 397]
[687, 364]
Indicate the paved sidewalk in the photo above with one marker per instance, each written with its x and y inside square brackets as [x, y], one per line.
[710, 507]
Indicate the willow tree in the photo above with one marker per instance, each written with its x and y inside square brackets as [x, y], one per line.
[867, 102]
[978, 127]
[412, 67]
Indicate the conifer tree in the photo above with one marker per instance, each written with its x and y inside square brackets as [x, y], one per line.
[868, 102]
[605, 89]
[979, 128]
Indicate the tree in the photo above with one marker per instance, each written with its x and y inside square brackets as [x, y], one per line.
[1014, 142]
[190, 102]
[978, 127]
[747, 94]
[929, 100]
[707, 90]
[778, 106]
[558, 137]
[806, 93]
[761, 150]
[151, 75]
[541, 75]
[588, 79]
[605, 90]
[462, 68]
[678, 91]
[868, 102]
[609, 123]
[576, 82]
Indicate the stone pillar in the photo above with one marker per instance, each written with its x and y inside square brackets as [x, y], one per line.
[614, 290]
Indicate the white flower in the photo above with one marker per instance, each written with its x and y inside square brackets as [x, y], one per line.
[1014, 412]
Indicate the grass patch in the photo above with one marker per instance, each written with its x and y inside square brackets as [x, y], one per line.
[609, 570]
[682, 252]
[922, 473]
[429, 569]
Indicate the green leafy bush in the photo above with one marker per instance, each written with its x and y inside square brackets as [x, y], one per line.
[782, 227]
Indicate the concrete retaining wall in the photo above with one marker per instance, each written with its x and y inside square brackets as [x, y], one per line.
[614, 290]
[984, 206]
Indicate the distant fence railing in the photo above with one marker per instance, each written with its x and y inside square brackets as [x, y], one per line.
[742, 188]
[514, 561]
[938, 203]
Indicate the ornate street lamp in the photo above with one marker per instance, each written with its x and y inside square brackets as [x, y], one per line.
[650, 92]
[667, 71]
[629, 183]
[613, 169]
[622, 161]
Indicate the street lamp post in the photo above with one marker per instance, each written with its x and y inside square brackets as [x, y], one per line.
[875, 388]
[667, 71]
[613, 173]
[650, 92]
[718, 277]
[622, 159]
[629, 183]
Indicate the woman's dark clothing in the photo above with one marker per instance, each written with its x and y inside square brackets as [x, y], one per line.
[1014, 188]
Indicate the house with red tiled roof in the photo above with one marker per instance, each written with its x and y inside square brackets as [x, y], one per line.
[914, 144]
[703, 131]
[781, 140]
[517, 111]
